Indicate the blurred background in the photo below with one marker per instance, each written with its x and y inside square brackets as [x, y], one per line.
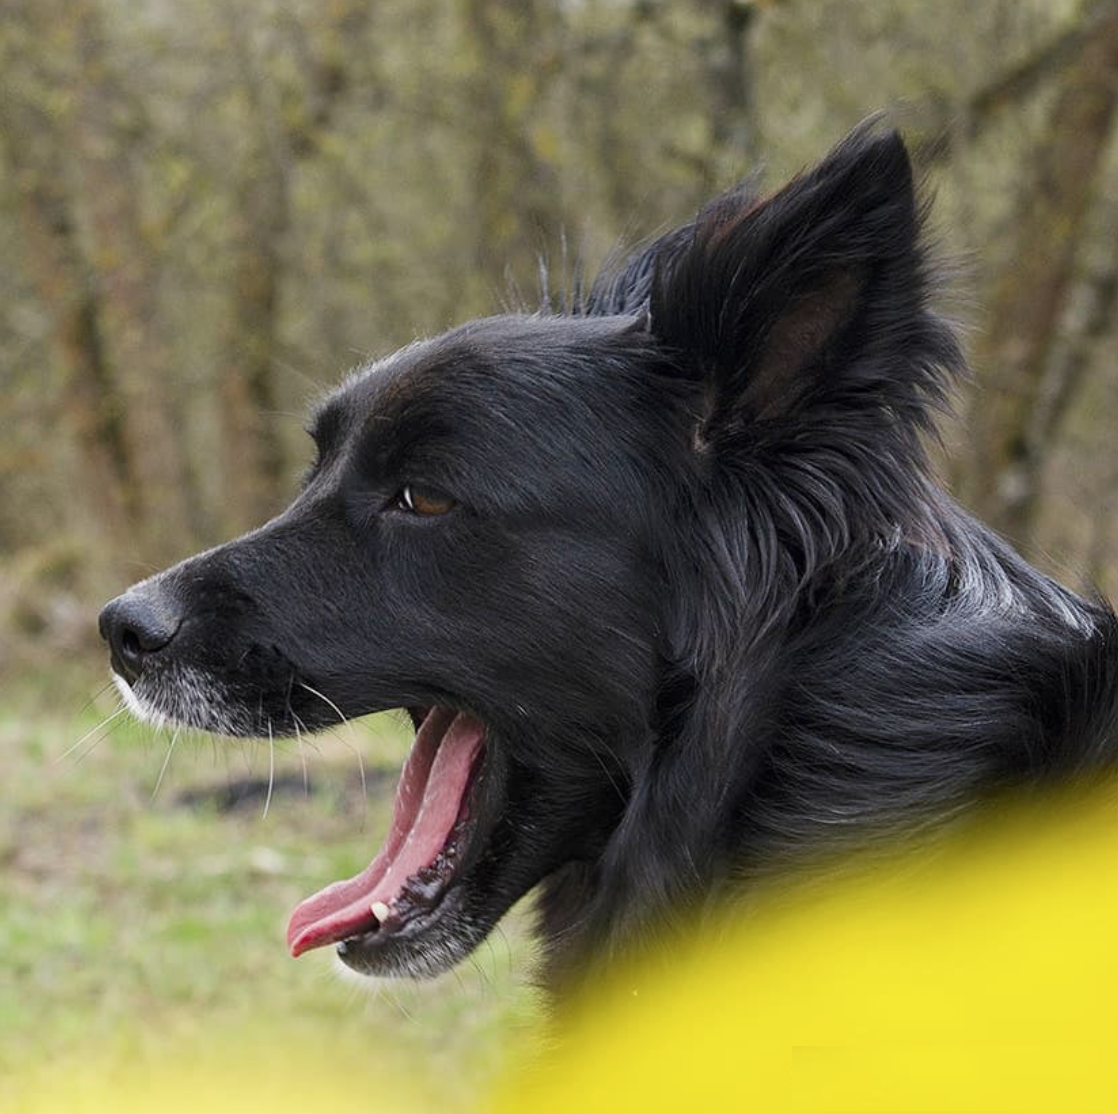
[209, 211]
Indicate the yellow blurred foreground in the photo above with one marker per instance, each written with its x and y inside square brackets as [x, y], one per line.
[979, 976]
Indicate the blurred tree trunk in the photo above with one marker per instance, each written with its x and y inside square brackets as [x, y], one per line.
[89, 410]
[36, 125]
[253, 457]
[601, 79]
[1103, 540]
[109, 141]
[1012, 431]
[728, 68]
[517, 194]
[717, 37]
[280, 137]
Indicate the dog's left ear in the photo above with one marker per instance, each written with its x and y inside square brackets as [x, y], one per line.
[780, 304]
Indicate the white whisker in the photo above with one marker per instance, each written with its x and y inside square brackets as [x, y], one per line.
[271, 770]
[302, 754]
[92, 731]
[326, 700]
[298, 736]
[97, 742]
[166, 763]
[305, 733]
[349, 746]
[85, 707]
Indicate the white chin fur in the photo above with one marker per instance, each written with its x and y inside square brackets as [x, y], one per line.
[137, 706]
[185, 697]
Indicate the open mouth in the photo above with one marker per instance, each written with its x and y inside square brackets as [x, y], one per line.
[431, 820]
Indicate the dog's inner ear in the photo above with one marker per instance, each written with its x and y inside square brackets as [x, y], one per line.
[772, 303]
[797, 341]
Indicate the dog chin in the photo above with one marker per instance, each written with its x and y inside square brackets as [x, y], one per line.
[429, 947]
[387, 979]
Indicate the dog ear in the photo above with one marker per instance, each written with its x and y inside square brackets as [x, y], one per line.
[782, 303]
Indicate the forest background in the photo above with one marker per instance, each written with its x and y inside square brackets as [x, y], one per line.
[210, 211]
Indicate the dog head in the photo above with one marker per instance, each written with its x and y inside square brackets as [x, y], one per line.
[544, 536]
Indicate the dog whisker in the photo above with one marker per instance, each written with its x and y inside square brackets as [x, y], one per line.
[92, 731]
[349, 746]
[397, 1004]
[458, 977]
[326, 700]
[298, 733]
[98, 741]
[304, 734]
[505, 940]
[271, 771]
[166, 763]
[96, 696]
[360, 768]
[302, 755]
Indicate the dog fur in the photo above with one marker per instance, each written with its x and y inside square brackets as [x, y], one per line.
[688, 567]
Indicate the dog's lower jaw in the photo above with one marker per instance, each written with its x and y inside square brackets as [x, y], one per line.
[429, 946]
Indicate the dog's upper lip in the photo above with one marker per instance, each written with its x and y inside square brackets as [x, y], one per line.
[430, 799]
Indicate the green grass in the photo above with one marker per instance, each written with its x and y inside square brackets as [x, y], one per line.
[132, 926]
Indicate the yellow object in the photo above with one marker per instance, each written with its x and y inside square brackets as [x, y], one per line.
[981, 975]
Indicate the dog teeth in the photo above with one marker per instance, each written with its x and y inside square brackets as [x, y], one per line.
[379, 910]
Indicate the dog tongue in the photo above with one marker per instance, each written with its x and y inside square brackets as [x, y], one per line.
[428, 801]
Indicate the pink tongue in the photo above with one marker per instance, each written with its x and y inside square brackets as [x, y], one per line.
[428, 800]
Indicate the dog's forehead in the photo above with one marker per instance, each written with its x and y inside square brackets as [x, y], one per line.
[497, 362]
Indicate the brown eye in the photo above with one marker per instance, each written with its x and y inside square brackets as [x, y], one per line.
[423, 500]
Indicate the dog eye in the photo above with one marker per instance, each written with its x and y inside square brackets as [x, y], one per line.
[423, 500]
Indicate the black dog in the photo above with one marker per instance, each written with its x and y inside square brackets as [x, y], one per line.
[662, 579]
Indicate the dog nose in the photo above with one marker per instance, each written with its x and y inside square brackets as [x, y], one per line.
[136, 626]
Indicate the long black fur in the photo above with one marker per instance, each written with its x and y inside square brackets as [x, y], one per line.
[698, 583]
